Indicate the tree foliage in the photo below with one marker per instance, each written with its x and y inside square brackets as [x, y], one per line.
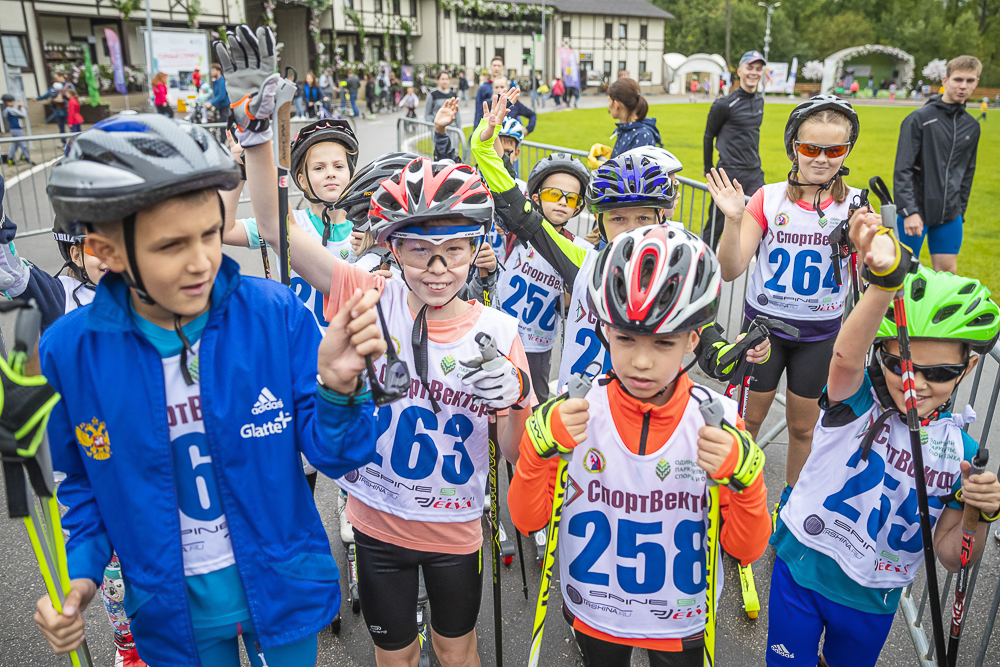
[813, 29]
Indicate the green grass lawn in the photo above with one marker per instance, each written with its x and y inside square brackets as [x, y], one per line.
[682, 127]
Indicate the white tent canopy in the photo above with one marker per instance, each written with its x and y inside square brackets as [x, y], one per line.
[833, 66]
[677, 66]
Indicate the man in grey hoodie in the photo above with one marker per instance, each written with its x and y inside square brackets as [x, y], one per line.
[437, 97]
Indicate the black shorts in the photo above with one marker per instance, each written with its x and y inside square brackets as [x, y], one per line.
[388, 578]
[808, 365]
[539, 365]
[600, 653]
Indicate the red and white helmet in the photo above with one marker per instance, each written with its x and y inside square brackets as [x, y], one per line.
[425, 190]
[656, 280]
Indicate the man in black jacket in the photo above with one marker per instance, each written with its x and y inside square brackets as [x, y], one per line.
[935, 163]
[734, 125]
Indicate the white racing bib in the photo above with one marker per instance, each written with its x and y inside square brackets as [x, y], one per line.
[794, 277]
[863, 514]
[313, 298]
[632, 539]
[204, 529]
[529, 292]
[581, 346]
[430, 467]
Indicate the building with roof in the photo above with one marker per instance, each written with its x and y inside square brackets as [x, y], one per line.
[627, 35]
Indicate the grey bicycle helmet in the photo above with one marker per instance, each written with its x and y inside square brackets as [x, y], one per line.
[557, 163]
[123, 165]
[815, 105]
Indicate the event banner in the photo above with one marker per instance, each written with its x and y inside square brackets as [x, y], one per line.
[115, 48]
[790, 84]
[569, 68]
[178, 53]
[775, 75]
[407, 75]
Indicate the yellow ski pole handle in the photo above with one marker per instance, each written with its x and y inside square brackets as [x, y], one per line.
[578, 386]
[551, 544]
[711, 567]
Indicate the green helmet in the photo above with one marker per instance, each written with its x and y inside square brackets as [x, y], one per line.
[943, 306]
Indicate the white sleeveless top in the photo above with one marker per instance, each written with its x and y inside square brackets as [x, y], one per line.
[430, 467]
[529, 292]
[84, 294]
[793, 279]
[632, 539]
[864, 514]
[581, 345]
[313, 298]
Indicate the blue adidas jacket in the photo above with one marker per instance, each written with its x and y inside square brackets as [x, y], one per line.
[111, 378]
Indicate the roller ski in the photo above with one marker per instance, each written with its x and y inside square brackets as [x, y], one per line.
[347, 536]
[423, 626]
[540, 542]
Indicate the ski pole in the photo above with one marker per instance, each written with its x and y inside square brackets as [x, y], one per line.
[281, 124]
[578, 386]
[517, 534]
[970, 521]
[713, 412]
[28, 470]
[488, 302]
[888, 213]
[488, 350]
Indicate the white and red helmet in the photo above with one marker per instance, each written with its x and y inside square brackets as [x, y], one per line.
[425, 190]
[656, 280]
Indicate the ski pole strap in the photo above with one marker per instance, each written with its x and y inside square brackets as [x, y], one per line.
[749, 462]
[719, 359]
[983, 516]
[891, 280]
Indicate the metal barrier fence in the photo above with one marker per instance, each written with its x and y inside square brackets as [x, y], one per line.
[26, 201]
[417, 137]
[914, 602]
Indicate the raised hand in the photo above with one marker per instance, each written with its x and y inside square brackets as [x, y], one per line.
[248, 65]
[353, 333]
[877, 250]
[494, 115]
[728, 195]
[446, 115]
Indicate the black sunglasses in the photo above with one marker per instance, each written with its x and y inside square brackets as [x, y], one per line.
[936, 373]
[397, 376]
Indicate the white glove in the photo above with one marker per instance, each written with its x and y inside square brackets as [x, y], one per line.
[248, 65]
[14, 275]
[498, 382]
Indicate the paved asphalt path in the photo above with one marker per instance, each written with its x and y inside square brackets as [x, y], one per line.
[742, 642]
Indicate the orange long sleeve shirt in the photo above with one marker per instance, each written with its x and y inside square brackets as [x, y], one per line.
[746, 525]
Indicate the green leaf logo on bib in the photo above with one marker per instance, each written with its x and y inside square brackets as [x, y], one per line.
[343, 253]
[662, 469]
[448, 364]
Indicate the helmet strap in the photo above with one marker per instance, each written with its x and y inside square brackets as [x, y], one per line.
[327, 226]
[418, 340]
[186, 347]
[131, 274]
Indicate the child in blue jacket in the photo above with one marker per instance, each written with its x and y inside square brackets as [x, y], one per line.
[161, 379]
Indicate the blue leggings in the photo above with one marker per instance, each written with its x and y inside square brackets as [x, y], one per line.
[220, 647]
[798, 616]
[943, 239]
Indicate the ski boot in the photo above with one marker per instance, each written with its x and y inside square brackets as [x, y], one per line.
[540, 545]
[423, 626]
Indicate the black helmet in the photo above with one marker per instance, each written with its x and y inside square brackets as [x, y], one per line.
[557, 163]
[815, 105]
[125, 164]
[356, 197]
[326, 129]
[68, 233]
[7, 97]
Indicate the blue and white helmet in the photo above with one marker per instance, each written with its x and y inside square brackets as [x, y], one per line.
[511, 127]
[640, 177]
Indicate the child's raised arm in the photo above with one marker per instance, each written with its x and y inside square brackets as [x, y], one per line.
[880, 252]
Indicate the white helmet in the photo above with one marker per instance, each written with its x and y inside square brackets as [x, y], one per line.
[656, 280]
